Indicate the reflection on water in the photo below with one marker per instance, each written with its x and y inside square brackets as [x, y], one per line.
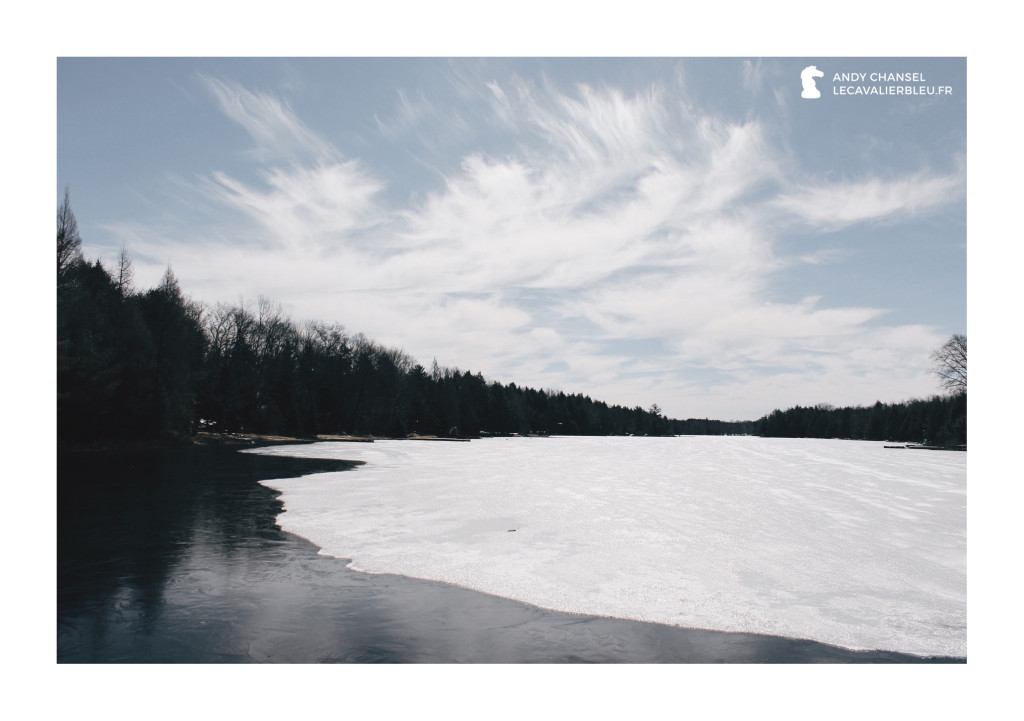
[173, 556]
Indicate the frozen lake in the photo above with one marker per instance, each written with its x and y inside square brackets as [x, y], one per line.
[842, 542]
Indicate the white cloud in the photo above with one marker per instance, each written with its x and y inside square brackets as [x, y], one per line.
[640, 219]
[270, 123]
[834, 205]
[408, 117]
[753, 74]
[306, 207]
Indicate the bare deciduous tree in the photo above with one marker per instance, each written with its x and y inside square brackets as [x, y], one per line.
[69, 243]
[949, 363]
[125, 272]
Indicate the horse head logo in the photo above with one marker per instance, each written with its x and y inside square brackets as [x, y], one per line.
[807, 77]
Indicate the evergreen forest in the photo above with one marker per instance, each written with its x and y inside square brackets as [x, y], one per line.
[937, 421]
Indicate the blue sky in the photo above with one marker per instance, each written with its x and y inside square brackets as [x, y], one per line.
[687, 232]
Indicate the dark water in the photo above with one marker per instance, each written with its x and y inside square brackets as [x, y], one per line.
[173, 556]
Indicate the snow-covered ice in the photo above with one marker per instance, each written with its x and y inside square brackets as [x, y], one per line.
[842, 542]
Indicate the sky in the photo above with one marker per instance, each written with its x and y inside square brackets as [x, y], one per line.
[689, 232]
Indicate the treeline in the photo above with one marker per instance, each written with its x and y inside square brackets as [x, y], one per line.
[137, 365]
[141, 365]
[128, 363]
[263, 373]
[938, 421]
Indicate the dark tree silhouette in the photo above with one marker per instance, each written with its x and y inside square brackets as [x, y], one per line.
[940, 421]
[69, 243]
[125, 272]
[949, 363]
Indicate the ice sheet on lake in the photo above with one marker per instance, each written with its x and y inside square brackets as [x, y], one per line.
[837, 541]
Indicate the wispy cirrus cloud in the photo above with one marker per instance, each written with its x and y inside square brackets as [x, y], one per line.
[753, 74]
[834, 205]
[305, 207]
[274, 128]
[605, 222]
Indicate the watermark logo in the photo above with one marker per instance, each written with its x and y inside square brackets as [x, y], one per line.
[807, 76]
[907, 83]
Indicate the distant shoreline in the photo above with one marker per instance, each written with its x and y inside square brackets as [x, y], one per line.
[206, 439]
